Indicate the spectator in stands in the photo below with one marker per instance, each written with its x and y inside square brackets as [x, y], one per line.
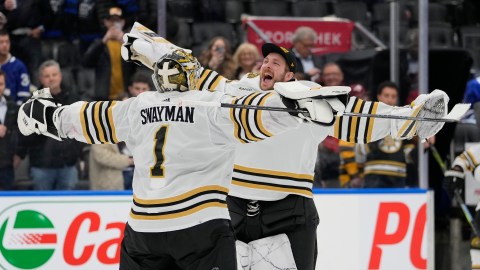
[26, 23]
[386, 159]
[332, 74]
[140, 83]
[106, 165]
[111, 73]
[327, 164]
[18, 80]
[328, 158]
[246, 57]
[8, 137]
[3, 20]
[472, 91]
[83, 20]
[218, 57]
[309, 65]
[351, 171]
[133, 10]
[52, 162]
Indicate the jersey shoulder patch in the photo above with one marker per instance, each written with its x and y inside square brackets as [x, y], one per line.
[252, 75]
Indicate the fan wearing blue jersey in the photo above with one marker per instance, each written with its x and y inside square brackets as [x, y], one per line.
[18, 80]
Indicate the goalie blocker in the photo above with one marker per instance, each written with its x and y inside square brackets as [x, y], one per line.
[39, 115]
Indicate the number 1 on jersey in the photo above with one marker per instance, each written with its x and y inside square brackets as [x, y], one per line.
[157, 170]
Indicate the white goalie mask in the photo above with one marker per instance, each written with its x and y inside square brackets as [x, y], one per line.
[176, 72]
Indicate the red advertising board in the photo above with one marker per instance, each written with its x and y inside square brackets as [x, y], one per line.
[83, 230]
[333, 35]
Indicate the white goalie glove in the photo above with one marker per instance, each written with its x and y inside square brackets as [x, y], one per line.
[321, 103]
[433, 105]
[39, 115]
[144, 47]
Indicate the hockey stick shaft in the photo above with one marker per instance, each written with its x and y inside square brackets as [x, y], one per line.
[466, 212]
[290, 110]
[437, 157]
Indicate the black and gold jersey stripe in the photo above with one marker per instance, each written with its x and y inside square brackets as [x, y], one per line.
[294, 183]
[408, 128]
[248, 124]
[356, 129]
[385, 172]
[97, 122]
[180, 205]
[209, 80]
[348, 165]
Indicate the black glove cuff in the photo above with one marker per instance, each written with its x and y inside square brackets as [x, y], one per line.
[291, 104]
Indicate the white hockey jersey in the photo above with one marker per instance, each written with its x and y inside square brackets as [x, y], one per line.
[469, 161]
[183, 154]
[272, 169]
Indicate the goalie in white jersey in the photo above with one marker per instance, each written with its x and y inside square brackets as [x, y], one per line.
[271, 190]
[183, 161]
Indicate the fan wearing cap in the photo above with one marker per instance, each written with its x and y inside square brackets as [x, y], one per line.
[270, 198]
[111, 73]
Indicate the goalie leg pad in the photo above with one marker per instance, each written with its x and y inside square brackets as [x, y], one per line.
[475, 256]
[274, 252]
[243, 255]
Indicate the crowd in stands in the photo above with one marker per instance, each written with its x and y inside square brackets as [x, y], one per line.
[73, 47]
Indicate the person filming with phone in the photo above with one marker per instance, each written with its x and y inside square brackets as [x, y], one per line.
[218, 57]
[111, 73]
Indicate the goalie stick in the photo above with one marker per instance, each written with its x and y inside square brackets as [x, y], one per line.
[466, 213]
[455, 114]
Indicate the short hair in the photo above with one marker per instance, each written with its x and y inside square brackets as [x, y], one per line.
[329, 64]
[304, 32]
[245, 47]
[4, 32]
[385, 84]
[140, 77]
[48, 63]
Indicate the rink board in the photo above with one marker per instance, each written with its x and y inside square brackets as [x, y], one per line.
[388, 229]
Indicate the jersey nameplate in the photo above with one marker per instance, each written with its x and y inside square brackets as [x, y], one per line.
[167, 114]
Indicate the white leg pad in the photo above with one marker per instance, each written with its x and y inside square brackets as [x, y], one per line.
[475, 255]
[243, 255]
[267, 253]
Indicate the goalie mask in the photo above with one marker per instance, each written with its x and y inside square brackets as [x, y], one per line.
[176, 72]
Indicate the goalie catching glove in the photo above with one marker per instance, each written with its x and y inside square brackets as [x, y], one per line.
[39, 114]
[144, 47]
[322, 104]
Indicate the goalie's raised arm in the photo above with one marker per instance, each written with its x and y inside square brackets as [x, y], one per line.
[368, 129]
[145, 47]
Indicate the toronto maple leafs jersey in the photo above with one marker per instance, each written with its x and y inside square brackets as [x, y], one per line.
[272, 169]
[183, 154]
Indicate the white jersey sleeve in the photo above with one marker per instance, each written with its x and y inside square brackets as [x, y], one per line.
[469, 159]
[369, 129]
[97, 122]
